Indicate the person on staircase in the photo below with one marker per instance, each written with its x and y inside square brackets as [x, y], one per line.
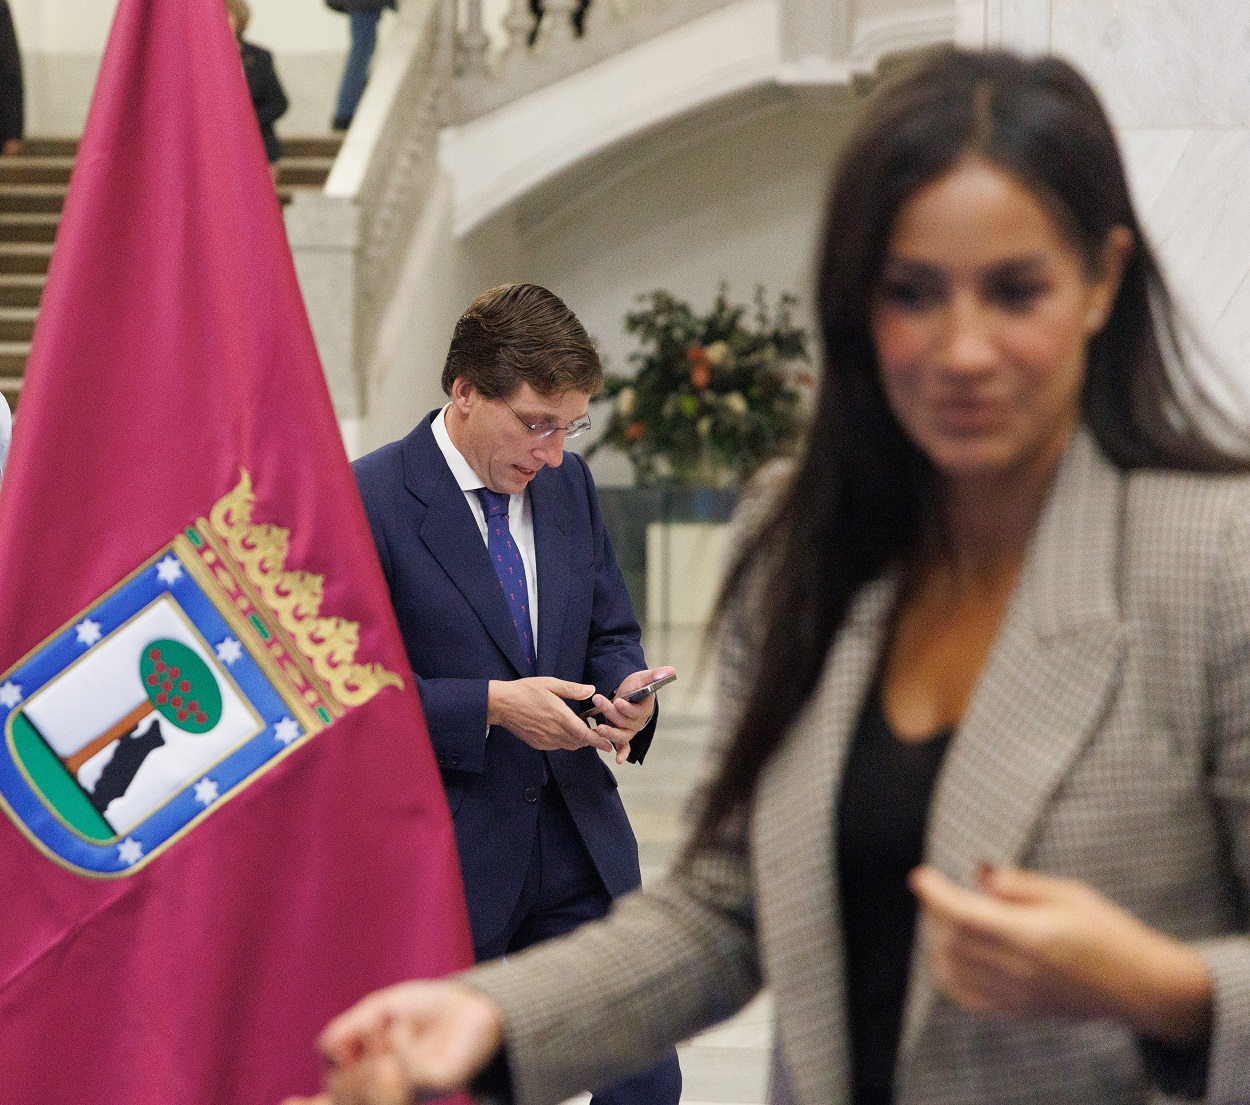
[268, 97]
[363, 17]
[12, 94]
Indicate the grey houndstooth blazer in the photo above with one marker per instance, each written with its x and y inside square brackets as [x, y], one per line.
[1108, 739]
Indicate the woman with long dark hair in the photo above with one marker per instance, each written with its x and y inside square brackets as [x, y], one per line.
[980, 811]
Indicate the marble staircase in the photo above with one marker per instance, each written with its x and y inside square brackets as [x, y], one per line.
[33, 186]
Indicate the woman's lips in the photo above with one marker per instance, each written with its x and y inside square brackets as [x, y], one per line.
[969, 416]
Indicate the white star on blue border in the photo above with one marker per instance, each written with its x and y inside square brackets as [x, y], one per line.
[169, 570]
[287, 731]
[130, 851]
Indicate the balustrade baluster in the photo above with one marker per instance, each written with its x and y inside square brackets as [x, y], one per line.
[473, 41]
[519, 23]
[556, 26]
[598, 14]
[444, 70]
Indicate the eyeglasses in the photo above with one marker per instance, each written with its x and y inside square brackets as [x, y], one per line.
[541, 430]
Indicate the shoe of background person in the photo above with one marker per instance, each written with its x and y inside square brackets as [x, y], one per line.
[338, 123]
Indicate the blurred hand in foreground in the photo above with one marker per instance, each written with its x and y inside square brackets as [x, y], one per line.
[409, 1043]
[1033, 945]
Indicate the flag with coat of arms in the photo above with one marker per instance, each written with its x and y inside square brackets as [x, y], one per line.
[221, 818]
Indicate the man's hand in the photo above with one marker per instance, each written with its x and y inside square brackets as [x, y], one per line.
[410, 1043]
[1032, 945]
[533, 710]
[622, 719]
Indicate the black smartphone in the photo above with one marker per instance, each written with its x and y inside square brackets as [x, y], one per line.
[633, 696]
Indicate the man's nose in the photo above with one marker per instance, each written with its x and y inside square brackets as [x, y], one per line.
[550, 449]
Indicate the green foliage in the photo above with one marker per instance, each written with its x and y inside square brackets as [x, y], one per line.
[714, 396]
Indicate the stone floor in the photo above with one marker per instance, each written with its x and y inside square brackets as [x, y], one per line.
[727, 1065]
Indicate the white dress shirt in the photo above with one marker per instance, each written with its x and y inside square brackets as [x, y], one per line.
[520, 517]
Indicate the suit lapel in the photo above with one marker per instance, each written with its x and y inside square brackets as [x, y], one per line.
[451, 534]
[1048, 681]
[794, 862]
[551, 550]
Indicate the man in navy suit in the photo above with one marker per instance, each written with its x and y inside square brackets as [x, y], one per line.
[512, 607]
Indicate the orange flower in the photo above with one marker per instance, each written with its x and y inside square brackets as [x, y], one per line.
[635, 431]
[700, 366]
[805, 379]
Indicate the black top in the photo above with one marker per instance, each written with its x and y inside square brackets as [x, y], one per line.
[268, 97]
[881, 815]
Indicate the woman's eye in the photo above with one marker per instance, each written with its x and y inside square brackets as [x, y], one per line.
[1017, 295]
[909, 295]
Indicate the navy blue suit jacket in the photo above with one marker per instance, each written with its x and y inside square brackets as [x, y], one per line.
[459, 635]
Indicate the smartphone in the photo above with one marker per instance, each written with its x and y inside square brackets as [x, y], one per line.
[633, 696]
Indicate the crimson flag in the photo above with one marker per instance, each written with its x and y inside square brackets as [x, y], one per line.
[224, 822]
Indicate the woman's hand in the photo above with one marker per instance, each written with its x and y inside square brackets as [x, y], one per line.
[410, 1043]
[1032, 945]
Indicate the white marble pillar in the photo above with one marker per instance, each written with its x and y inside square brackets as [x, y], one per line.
[1175, 77]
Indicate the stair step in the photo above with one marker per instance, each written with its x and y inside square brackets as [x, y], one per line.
[49, 147]
[32, 197]
[310, 172]
[29, 226]
[13, 356]
[18, 323]
[35, 170]
[25, 257]
[20, 290]
[312, 147]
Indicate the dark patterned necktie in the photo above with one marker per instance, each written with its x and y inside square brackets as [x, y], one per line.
[506, 558]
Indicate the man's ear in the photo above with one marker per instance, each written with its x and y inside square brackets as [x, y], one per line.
[464, 396]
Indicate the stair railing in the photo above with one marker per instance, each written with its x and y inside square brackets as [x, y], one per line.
[568, 37]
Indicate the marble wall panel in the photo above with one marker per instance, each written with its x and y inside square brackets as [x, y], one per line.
[1161, 63]
[1189, 186]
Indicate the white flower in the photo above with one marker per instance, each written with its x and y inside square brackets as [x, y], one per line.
[717, 353]
[736, 402]
[704, 425]
[625, 402]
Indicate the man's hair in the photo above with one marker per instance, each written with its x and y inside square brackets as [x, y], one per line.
[522, 334]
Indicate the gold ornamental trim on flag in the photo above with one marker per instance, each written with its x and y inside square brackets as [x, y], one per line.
[279, 611]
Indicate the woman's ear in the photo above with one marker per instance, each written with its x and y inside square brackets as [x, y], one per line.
[1116, 251]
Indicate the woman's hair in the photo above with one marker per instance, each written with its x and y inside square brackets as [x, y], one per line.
[862, 494]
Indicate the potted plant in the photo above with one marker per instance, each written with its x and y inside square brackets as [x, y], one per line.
[714, 396]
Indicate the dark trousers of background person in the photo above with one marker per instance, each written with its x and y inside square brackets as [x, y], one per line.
[363, 29]
[579, 17]
[563, 890]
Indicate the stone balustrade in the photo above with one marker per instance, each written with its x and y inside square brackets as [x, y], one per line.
[539, 52]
